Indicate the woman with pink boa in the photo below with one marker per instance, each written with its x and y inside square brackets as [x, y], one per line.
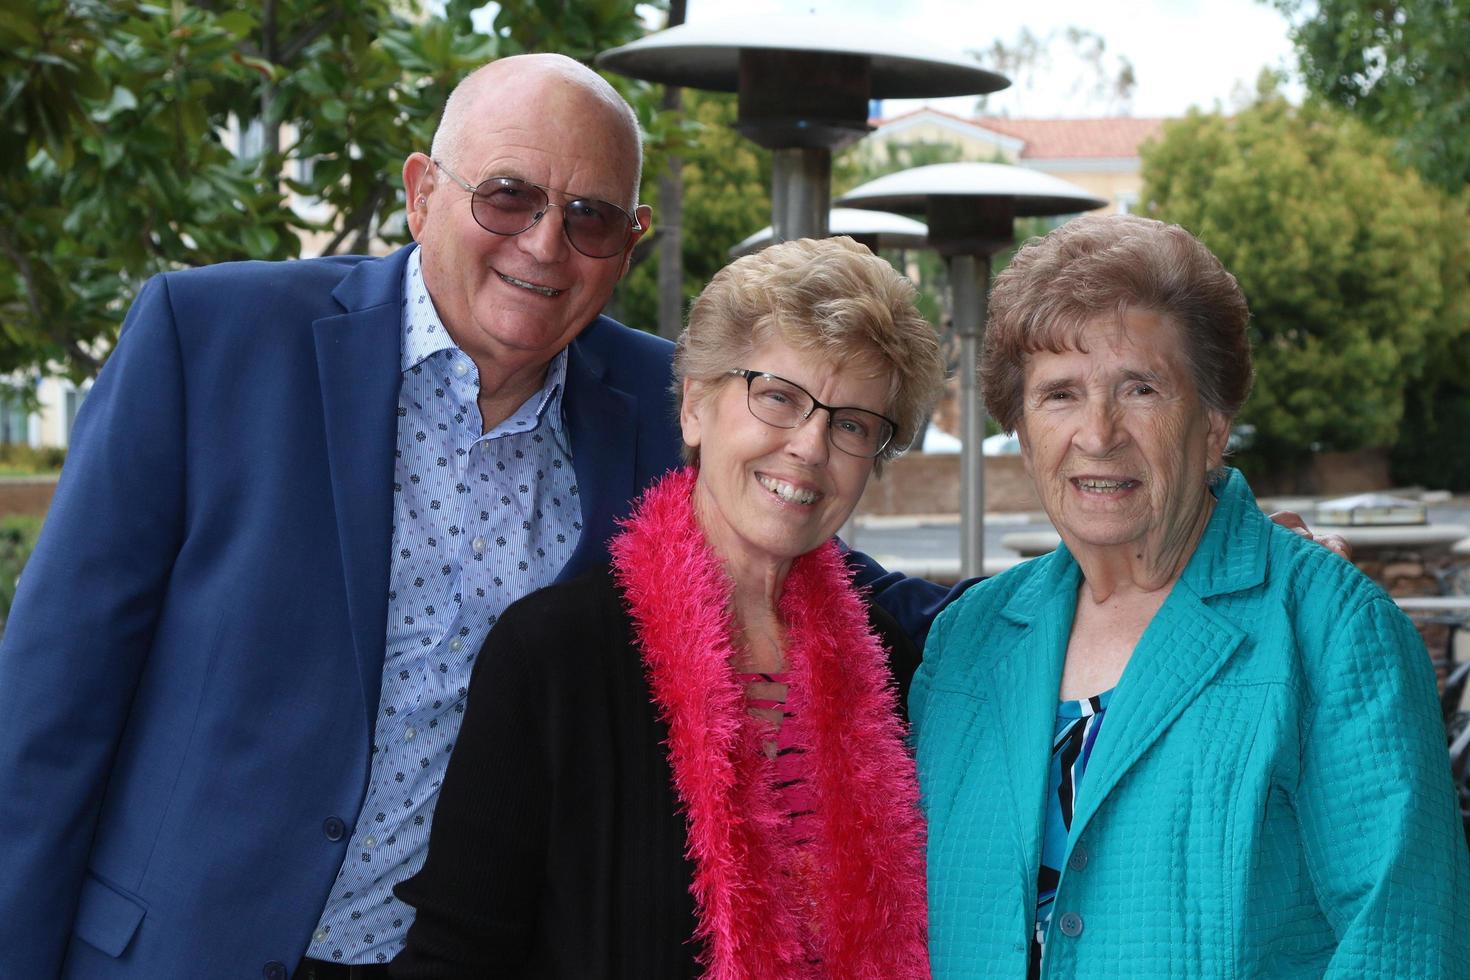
[691, 762]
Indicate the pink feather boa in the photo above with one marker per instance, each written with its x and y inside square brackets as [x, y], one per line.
[869, 851]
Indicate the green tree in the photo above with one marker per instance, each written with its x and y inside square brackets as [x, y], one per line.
[1402, 66]
[727, 196]
[1346, 257]
[1431, 445]
[137, 137]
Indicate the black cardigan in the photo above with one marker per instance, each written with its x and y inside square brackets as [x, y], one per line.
[557, 848]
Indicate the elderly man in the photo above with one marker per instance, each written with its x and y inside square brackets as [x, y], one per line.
[298, 497]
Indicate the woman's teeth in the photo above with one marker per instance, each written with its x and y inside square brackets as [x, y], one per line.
[787, 492]
[1104, 486]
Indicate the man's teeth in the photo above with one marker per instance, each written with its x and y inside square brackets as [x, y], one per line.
[1104, 486]
[543, 290]
[787, 492]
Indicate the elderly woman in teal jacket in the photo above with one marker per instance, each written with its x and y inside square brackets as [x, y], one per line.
[1188, 743]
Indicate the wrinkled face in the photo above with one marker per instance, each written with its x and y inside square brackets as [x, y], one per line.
[1116, 439]
[767, 495]
[515, 301]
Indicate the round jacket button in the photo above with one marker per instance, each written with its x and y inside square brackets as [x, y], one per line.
[1071, 925]
[274, 971]
[1078, 860]
[334, 828]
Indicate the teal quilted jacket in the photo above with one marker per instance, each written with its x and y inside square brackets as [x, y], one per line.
[1268, 797]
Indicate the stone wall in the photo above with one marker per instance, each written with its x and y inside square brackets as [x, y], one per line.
[921, 483]
[26, 494]
[1328, 474]
[1408, 572]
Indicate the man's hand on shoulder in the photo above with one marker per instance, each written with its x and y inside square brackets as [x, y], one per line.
[1336, 543]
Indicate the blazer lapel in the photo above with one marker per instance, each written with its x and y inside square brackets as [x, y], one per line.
[601, 424]
[359, 370]
[1024, 687]
[1181, 651]
[1184, 648]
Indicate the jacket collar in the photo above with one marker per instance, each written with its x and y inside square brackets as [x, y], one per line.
[866, 865]
[603, 431]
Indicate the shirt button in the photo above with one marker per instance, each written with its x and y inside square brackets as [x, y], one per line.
[456, 643]
[478, 545]
[1071, 925]
[334, 828]
[459, 368]
[320, 936]
[409, 733]
[369, 841]
[1078, 860]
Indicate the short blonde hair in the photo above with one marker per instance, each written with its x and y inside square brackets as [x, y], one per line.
[830, 297]
[1104, 265]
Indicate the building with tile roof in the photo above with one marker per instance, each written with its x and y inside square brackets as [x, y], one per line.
[1099, 155]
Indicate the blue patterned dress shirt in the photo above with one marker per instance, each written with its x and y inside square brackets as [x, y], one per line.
[479, 520]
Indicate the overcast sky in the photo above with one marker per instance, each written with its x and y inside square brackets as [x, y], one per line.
[1183, 52]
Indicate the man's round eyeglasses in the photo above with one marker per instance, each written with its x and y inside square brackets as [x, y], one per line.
[509, 206]
[786, 405]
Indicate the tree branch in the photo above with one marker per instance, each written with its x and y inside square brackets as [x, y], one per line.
[364, 233]
[293, 48]
[22, 264]
[360, 224]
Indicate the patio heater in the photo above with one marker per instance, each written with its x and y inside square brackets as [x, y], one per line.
[971, 210]
[874, 229]
[805, 82]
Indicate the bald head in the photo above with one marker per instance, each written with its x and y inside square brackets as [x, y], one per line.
[558, 83]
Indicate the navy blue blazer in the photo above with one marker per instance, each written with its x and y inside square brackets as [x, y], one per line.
[191, 668]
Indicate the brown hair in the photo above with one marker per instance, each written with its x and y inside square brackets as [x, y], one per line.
[1104, 265]
[831, 297]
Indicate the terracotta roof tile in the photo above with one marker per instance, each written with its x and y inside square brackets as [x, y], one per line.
[1051, 139]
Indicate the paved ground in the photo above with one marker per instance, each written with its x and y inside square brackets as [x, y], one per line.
[915, 544]
[929, 547]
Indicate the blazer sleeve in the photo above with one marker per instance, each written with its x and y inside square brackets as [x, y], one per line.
[912, 602]
[477, 895]
[81, 626]
[1384, 845]
[903, 655]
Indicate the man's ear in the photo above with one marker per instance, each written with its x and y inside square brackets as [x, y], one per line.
[418, 184]
[643, 214]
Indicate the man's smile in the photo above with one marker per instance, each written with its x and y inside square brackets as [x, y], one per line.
[523, 284]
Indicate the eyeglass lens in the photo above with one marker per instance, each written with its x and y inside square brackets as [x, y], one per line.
[784, 404]
[507, 206]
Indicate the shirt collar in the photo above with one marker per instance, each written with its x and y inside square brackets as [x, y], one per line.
[424, 336]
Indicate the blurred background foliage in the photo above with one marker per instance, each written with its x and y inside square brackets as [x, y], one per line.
[138, 136]
[1401, 66]
[18, 533]
[1352, 264]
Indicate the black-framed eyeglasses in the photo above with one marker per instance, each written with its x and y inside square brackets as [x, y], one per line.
[508, 206]
[786, 405]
